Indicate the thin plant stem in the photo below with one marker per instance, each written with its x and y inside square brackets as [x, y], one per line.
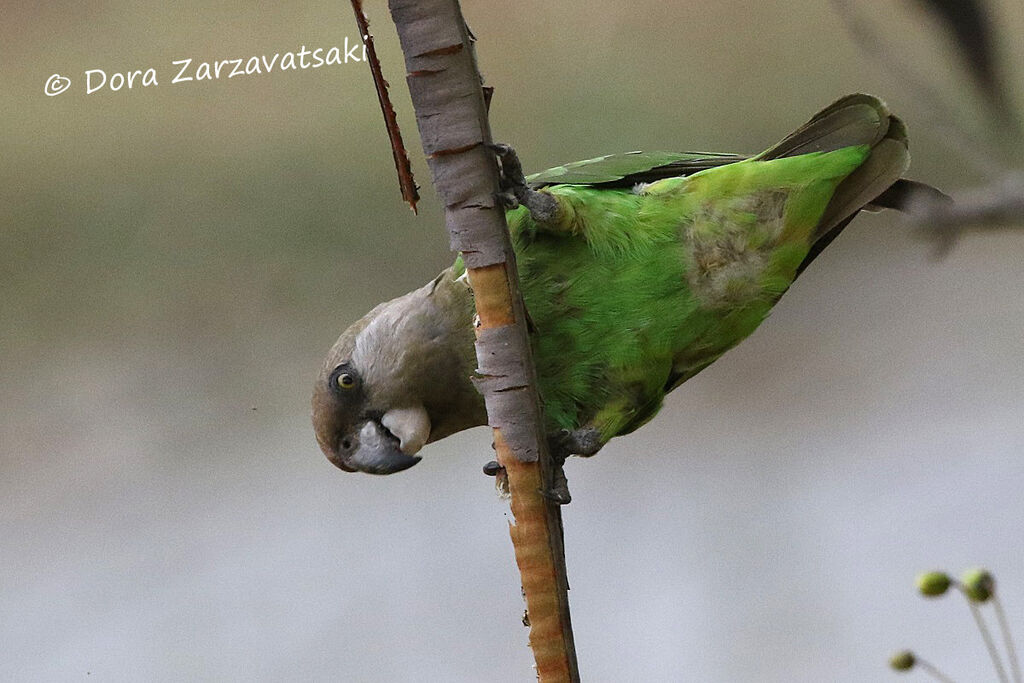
[987, 637]
[1004, 626]
[932, 670]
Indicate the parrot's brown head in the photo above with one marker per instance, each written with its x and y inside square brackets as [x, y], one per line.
[398, 379]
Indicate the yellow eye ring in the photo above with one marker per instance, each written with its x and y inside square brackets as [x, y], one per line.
[346, 381]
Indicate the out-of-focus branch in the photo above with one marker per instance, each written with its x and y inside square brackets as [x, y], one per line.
[451, 113]
[999, 205]
[969, 24]
[952, 131]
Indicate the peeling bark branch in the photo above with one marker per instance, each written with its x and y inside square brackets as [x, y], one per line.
[451, 113]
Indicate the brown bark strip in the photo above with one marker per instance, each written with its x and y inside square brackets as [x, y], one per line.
[539, 567]
[490, 285]
[451, 114]
[410, 191]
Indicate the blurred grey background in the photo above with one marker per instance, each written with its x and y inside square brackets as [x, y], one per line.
[175, 260]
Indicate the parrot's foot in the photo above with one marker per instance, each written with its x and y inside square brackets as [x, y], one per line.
[558, 492]
[585, 441]
[514, 190]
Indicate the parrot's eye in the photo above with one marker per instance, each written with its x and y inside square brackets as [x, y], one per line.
[344, 379]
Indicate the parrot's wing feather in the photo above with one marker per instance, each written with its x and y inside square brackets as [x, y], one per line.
[857, 119]
[854, 120]
[630, 168]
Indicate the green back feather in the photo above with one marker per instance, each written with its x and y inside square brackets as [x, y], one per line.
[665, 281]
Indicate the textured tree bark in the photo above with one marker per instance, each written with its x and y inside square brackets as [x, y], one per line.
[448, 97]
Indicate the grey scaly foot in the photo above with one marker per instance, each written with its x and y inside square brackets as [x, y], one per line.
[585, 441]
[515, 191]
[558, 491]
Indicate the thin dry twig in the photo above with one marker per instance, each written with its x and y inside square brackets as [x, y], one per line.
[970, 26]
[410, 191]
[998, 204]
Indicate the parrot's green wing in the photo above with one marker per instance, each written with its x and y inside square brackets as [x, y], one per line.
[636, 289]
[630, 168]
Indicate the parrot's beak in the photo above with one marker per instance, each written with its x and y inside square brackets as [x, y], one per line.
[387, 446]
[377, 451]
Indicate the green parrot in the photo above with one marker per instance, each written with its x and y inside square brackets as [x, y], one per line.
[638, 270]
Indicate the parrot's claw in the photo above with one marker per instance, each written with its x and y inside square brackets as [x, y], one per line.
[559, 491]
[494, 469]
[563, 443]
[508, 200]
[543, 207]
[585, 441]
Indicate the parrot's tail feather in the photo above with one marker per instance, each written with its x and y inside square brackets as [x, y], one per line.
[888, 161]
[857, 119]
[853, 120]
[903, 195]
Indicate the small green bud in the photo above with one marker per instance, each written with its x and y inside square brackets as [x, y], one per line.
[979, 584]
[902, 661]
[933, 584]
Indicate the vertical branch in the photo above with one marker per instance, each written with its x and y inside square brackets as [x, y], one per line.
[448, 97]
